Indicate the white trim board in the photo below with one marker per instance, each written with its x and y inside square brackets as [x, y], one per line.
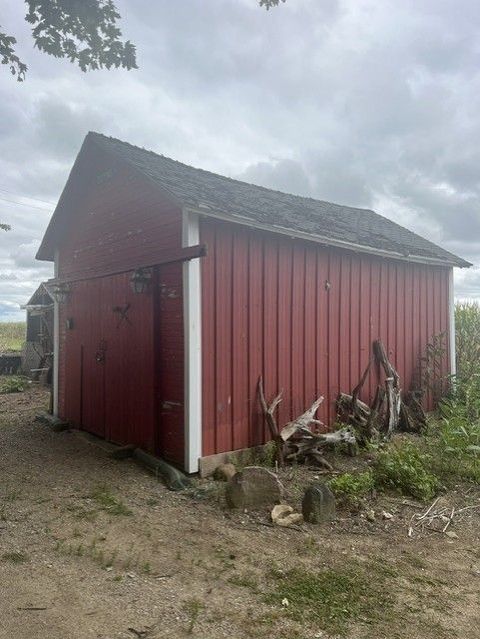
[192, 322]
[56, 343]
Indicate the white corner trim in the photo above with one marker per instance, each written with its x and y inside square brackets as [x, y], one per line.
[56, 342]
[451, 311]
[193, 345]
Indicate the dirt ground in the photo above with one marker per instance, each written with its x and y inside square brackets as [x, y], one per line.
[92, 547]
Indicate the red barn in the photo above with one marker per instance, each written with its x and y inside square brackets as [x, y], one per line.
[177, 288]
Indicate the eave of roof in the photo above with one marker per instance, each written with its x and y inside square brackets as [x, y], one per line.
[295, 216]
[327, 241]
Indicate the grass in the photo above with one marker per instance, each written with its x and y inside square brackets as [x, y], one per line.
[15, 557]
[107, 501]
[12, 336]
[332, 598]
[246, 580]
[192, 607]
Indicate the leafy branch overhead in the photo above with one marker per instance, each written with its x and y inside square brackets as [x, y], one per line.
[268, 4]
[85, 33]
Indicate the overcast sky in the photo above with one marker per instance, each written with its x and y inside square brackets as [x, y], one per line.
[370, 103]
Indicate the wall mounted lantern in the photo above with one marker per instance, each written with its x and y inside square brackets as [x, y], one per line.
[140, 280]
[61, 292]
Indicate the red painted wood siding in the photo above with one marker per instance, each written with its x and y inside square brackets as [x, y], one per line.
[122, 222]
[267, 308]
[109, 383]
[170, 361]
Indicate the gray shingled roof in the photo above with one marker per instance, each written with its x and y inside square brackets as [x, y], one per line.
[219, 196]
[252, 204]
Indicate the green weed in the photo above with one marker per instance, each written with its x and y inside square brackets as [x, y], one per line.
[15, 557]
[13, 384]
[349, 488]
[247, 580]
[331, 598]
[455, 436]
[404, 468]
[192, 607]
[109, 503]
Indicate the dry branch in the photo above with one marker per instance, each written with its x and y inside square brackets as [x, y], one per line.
[389, 412]
[295, 441]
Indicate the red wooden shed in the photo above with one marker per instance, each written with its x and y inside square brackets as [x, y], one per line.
[232, 281]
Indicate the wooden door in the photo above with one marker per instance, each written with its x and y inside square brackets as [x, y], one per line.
[109, 361]
[93, 354]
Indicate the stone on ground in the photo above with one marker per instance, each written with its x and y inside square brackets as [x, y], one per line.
[254, 487]
[283, 515]
[318, 504]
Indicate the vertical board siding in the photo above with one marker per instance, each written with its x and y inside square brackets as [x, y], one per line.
[129, 228]
[169, 353]
[304, 317]
[109, 362]
[137, 395]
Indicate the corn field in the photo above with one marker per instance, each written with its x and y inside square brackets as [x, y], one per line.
[12, 336]
[467, 329]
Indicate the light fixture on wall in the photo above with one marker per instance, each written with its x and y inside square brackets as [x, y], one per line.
[140, 280]
[61, 292]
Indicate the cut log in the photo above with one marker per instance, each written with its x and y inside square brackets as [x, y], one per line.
[269, 414]
[412, 416]
[392, 388]
[303, 422]
[295, 442]
[389, 411]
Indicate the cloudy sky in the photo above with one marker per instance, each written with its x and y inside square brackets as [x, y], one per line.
[371, 103]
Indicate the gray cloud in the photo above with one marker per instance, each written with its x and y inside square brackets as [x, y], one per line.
[365, 103]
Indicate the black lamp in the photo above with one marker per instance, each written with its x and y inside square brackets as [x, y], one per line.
[140, 280]
[61, 292]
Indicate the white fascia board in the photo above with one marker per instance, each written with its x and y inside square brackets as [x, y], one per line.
[193, 345]
[324, 241]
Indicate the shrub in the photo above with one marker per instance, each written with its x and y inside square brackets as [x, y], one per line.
[350, 488]
[403, 467]
[13, 384]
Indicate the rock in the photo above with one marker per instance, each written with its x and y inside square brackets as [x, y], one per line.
[279, 511]
[370, 515]
[318, 504]
[224, 472]
[451, 534]
[283, 515]
[386, 515]
[253, 487]
[291, 520]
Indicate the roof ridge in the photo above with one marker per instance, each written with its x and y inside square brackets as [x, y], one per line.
[235, 180]
[244, 202]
